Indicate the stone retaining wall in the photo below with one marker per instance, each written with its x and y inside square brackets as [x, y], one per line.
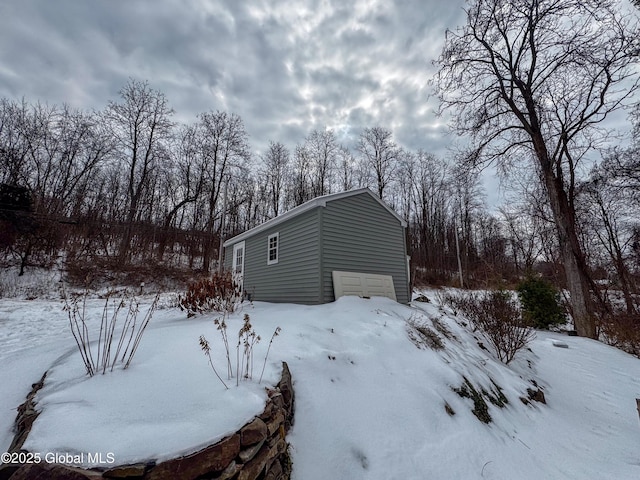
[258, 451]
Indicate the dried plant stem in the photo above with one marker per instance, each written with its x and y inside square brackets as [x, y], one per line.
[275, 334]
[238, 363]
[143, 326]
[221, 325]
[247, 339]
[204, 345]
[216, 372]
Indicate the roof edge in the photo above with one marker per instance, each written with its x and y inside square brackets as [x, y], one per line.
[309, 205]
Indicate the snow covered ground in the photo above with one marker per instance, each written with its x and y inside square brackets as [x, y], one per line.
[370, 403]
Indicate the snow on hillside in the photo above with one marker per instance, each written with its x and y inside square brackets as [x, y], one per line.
[370, 402]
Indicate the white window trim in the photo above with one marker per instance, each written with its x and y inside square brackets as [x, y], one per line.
[277, 237]
[234, 260]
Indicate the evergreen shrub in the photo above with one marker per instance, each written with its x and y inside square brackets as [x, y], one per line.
[540, 304]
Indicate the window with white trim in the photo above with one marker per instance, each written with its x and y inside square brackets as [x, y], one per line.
[238, 262]
[273, 242]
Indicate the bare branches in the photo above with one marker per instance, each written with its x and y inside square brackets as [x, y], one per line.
[380, 154]
[497, 316]
[545, 59]
[223, 144]
[276, 171]
[541, 76]
[140, 125]
[98, 356]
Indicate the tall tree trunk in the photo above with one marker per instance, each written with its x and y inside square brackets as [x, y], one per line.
[580, 294]
[577, 276]
[124, 253]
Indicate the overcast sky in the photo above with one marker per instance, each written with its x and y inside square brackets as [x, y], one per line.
[285, 67]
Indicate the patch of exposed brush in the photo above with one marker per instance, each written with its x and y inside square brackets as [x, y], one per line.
[442, 329]
[497, 316]
[423, 336]
[496, 396]
[534, 395]
[450, 411]
[480, 408]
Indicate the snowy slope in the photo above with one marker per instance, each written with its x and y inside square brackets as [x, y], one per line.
[370, 403]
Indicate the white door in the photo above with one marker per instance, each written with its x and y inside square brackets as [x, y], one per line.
[237, 266]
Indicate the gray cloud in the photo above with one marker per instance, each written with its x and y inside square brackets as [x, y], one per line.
[285, 67]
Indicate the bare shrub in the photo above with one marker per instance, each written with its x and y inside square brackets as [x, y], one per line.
[454, 302]
[622, 330]
[497, 316]
[115, 343]
[219, 293]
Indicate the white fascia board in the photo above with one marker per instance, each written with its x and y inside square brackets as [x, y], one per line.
[300, 209]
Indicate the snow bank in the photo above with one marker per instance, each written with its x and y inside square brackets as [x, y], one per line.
[369, 402]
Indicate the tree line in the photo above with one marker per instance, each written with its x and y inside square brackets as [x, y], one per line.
[129, 185]
[530, 84]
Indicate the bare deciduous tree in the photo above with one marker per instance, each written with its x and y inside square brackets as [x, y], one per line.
[276, 170]
[182, 181]
[539, 77]
[379, 155]
[611, 220]
[14, 144]
[141, 124]
[225, 147]
[405, 173]
[347, 169]
[299, 188]
[431, 204]
[322, 148]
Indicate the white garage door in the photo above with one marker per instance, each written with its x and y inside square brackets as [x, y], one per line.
[362, 285]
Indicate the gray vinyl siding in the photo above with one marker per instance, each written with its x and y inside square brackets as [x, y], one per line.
[296, 276]
[360, 235]
[350, 233]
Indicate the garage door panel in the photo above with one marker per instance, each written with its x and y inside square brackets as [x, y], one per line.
[362, 284]
[351, 281]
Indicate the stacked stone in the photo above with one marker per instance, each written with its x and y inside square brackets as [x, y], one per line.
[258, 451]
